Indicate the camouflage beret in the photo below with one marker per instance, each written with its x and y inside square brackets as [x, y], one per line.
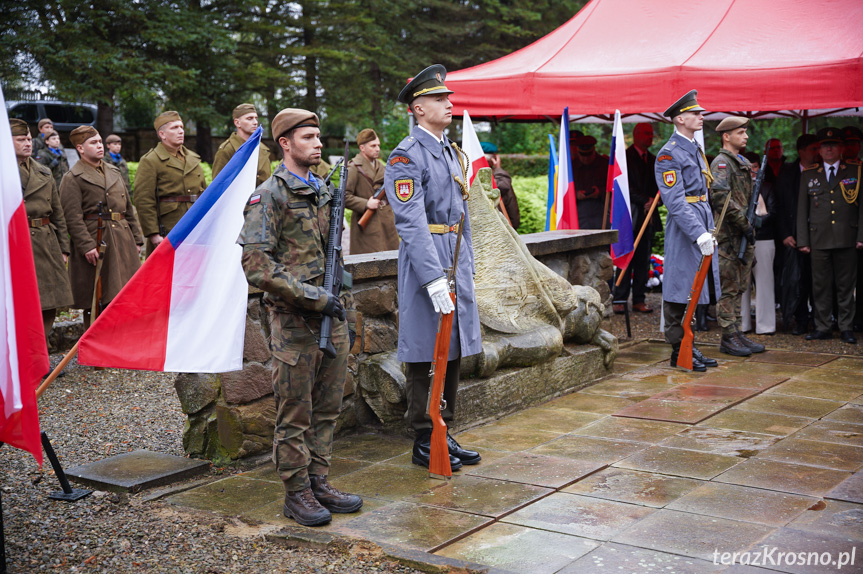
[113, 138]
[165, 117]
[19, 127]
[732, 123]
[44, 121]
[366, 136]
[292, 118]
[81, 134]
[244, 109]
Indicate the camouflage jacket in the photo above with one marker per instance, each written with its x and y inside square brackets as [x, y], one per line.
[284, 241]
[732, 175]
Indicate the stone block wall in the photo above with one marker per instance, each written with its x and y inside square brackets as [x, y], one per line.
[230, 415]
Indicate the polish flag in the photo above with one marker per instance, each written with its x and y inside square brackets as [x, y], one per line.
[185, 309]
[24, 359]
[471, 146]
[618, 186]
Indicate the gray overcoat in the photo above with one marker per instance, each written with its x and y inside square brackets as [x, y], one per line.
[421, 190]
[678, 171]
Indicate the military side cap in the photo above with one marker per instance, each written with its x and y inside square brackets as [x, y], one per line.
[113, 138]
[829, 135]
[365, 136]
[165, 117]
[426, 83]
[688, 103]
[852, 133]
[44, 121]
[585, 143]
[292, 118]
[81, 134]
[19, 127]
[244, 109]
[732, 123]
[488, 147]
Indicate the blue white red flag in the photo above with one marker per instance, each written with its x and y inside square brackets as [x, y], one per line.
[565, 210]
[621, 212]
[23, 353]
[552, 185]
[185, 309]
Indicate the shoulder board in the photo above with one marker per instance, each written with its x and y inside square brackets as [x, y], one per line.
[811, 167]
[407, 143]
[224, 143]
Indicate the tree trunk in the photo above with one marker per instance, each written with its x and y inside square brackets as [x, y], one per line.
[105, 118]
[204, 142]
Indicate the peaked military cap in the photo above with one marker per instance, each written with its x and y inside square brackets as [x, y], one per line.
[829, 135]
[806, 140]
[427, 82]
[584, 143]
[852, 133]
[18, 127]
[488, 147]
[732, 123]
[688, 103]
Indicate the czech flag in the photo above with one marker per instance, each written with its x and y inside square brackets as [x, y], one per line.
[565, 210]
[618, 186]
[24, 353]
[185, 309]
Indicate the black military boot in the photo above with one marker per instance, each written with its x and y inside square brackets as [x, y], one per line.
[422, 451]
[731, 345]
[706, 361]
[696, 364]
[332, 498]
[464, 455]
[752, 345]
[701, 317]
[302, 506]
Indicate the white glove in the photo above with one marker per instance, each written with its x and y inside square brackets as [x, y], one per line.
[705, 243]
[439, 294]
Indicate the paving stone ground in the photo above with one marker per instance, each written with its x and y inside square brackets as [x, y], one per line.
[650, 470]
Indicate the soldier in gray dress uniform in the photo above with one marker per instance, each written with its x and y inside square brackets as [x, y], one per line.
[428, 202]
[683, 177]
[830, 227]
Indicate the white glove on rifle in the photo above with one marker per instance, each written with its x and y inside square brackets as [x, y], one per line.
[439, 294]
[706, 243]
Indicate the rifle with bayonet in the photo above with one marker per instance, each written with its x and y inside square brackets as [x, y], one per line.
[684, 356]
[750, 211]
[368, 213]
[439, 452]
[333, 271]
[96, 306]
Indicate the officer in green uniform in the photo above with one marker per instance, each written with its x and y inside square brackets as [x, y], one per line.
[830, 227]
[246, 120]
[732, 174]
[284, 239]
[168, 181]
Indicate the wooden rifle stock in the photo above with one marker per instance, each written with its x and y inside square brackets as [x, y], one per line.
[368, 213]
[96, 305]
[439, 453]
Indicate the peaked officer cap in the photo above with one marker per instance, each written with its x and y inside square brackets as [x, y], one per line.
[427, 82]
[687, 103]
[852, 133]
[829, 135]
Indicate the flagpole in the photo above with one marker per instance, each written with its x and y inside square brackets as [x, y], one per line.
[62, 365]
[637, 239]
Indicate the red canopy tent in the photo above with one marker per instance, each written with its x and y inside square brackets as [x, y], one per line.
[762, 58]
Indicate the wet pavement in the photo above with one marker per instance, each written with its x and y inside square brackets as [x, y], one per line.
[650, 470]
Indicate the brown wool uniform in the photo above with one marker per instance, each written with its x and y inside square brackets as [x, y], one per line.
[230, 146]
[830, 225]
[173, 181]
[508, 200]
[80, 193]
[364, 179]
[48, 236]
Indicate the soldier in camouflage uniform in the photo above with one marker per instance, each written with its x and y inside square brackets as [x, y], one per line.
[732, 174]
[287, 222]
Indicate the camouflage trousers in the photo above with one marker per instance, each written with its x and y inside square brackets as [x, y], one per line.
[734, 278]
[308, 388]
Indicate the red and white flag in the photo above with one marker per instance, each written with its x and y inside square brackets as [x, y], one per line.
[24, 354]
[471, 146]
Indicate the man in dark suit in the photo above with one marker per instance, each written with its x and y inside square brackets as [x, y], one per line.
[642, 190]
[787, 189]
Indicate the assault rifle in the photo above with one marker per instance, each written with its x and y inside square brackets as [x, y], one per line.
[439, 453]
[684, 356]
[333, 272]
[753, 204]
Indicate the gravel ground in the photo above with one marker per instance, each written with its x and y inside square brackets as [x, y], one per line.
[90, 415]
[646, 325]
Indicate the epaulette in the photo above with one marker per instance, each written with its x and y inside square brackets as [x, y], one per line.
[224, 143]
[816, 166]
[407, 143]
